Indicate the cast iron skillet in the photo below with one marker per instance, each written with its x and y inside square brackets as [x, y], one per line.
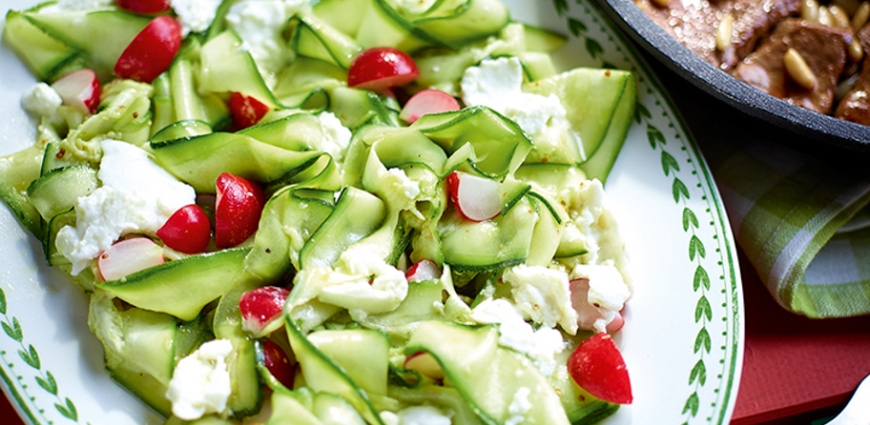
[666, 49]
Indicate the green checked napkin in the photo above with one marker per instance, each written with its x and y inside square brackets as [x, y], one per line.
[801, 221]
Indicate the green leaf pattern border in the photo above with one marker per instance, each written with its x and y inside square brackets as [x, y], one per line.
[650, 92]
[45, 380]
[682, 167]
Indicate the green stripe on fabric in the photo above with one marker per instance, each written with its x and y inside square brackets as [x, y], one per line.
[821, 300]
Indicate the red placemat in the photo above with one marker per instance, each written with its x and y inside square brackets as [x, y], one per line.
[793, 365]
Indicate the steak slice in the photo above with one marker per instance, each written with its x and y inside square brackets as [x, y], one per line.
[824, 50]
[855, 106]
[694, 23]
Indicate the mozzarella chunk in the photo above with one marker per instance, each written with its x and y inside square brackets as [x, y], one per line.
[336, 136]
[41, 101]
[200, 383]
[136, 196]
[542, 295]
[260, 24]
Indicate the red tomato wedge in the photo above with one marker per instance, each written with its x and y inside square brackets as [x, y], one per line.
[145, 7]
[152, 51]
[187, 230]
[246, 110]
[381, 68]
[238, 205]
[598, 367]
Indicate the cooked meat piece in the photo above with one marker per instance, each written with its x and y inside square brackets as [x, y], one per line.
[824, 50]
[695, 23]
[855, 106]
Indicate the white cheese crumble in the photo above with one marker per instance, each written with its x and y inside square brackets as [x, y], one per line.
[540, 346]
[362, 282]
[260, 24]
[596, 225]
[607, 291]
[424, 415]
[519, 407]
[497, 84]
[200, 383]
[195, 15]
[336, 137]
[136, 196]
[41, 100]
[542, 294]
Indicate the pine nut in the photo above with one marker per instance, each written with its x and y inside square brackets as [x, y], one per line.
[798, 69]
[840, 18]
[862, 15]
[724, 32]
[856, 52]
[825, 17]
[810, 10]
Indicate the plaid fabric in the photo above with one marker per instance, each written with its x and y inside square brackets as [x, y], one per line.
[802, 223]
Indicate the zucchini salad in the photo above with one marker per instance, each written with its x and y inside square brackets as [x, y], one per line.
[331, 212]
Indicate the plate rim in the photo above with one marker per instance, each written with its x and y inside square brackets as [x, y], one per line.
[722, 228]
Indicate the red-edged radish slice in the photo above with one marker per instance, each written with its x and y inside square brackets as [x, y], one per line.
[238, 206]
[261, 309]
[246, 110]
[475, 197]
[597, 366]
[277, 362]
[79, 89]
[424, 363]
[145, 7]
[587, 313]
[187, 230]
[427, 102]
[423, 270]
[381, 68]
[152, 51]
[129, 256]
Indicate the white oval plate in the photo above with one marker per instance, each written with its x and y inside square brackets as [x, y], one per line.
[683, 338]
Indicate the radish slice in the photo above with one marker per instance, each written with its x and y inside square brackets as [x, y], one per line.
[80, 90]
[423, 270]
[261, 309]
[145, 7]
[238, 206]
[476, 198]
[427, 102]
[381, 68]
[246, 110]
[277, 362]
[424, 363]
[129, 256]
[588, 314]
[152, 51]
